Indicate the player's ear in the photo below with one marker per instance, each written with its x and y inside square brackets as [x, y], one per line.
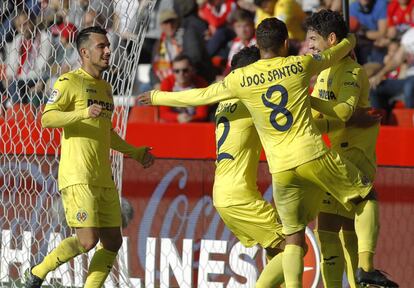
[84, 52]
[332, 39]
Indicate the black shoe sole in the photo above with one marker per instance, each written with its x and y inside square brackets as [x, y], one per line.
[366, 285]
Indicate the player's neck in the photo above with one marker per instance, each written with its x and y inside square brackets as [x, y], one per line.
[268, 54]
[95, 73]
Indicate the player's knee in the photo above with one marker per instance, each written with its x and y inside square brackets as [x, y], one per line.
[297, 239]
[113, 244]
[88, 243]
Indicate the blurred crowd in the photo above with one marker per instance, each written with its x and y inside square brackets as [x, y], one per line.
[190, 44]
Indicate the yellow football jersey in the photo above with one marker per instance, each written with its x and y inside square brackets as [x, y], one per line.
[275, 91]
[85, 157]
[347, 82]
[238, 152]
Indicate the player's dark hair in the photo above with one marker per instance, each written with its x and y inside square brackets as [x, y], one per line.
[244, 57]
[325, 22]
[271, 34]
[83, 35]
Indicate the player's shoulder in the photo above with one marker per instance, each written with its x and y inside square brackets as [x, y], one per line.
[352, 68]
[68, 79]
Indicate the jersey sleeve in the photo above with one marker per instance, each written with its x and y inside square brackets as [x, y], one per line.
[194, 97]
[60, 98]
[350, 89]
[347, 98]
[319, 62]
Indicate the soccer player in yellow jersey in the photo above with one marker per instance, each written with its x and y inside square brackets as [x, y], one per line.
[82, 105]
[275, 91]
[236, 198]
[338, 92]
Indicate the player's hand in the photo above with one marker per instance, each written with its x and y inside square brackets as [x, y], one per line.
[94, 110]
[144, 98]
[148, 158]
[364, 117]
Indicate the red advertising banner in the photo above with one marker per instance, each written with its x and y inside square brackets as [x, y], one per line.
[173, 200]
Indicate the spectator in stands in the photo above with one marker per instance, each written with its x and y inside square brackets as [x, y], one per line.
[154, 30]
[289, 11]
[400, 17]
[190, 21]
[184, 78]
[76, 10]
[371, 16]
[243, 25]
[6, 27]
[217, 14]
[173, 41]
[67, 58]
[27, 61]
[384, 92]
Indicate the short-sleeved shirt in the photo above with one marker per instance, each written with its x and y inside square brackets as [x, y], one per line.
[85, 157]
[275, 91]
[369, 20]
[347, 82]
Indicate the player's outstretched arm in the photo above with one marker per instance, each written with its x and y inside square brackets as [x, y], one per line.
[332, 55]
[140, 154]
[194, 97]
[59, 119]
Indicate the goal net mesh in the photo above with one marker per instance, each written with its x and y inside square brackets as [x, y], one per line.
[36, 47]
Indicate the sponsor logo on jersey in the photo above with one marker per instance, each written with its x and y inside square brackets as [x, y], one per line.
[90, 90]
[327, 95]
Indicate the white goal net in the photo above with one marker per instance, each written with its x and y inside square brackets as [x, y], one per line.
[36, 47]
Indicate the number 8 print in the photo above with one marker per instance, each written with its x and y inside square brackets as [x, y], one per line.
[278, 108]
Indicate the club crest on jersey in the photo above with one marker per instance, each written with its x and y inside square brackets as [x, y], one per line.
[365, 180]
[54, 96]
[81, 216]
[317, 57]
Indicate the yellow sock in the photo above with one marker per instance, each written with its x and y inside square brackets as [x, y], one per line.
[367, 228]
[272, 274]
[99, 268]
[293, 266]
[350, 246]
[332, 258]
[66, 250]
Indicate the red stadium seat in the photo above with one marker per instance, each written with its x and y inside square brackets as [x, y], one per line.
[399, 104]
[402, 117]
[143, 114]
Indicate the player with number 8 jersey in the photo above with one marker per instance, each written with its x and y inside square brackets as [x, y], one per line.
[275, 91]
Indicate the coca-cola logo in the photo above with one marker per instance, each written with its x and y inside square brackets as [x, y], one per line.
[176, 211]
